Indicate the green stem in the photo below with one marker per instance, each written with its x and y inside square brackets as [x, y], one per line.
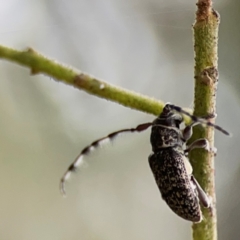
[206, 78]
[40, 64]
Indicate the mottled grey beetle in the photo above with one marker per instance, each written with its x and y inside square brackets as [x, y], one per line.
[168, 162]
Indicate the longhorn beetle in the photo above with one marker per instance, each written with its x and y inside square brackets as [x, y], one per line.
[169, 163]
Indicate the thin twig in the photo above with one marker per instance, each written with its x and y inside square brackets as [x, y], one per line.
[40, 64]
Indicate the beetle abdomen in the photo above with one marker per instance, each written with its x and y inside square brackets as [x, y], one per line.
[174, 183]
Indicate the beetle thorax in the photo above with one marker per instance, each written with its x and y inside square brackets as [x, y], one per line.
[165, 136]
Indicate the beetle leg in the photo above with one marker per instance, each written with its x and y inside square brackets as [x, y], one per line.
[203, 197]
[188, 131]
[201, 143]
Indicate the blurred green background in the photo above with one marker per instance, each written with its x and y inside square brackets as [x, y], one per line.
[141, 45]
